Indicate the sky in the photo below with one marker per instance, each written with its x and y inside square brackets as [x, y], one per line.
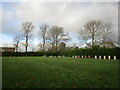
[69, 15]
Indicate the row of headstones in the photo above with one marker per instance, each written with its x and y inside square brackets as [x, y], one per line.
[96, 57]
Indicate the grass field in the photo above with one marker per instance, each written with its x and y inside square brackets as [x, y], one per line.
[43, 72]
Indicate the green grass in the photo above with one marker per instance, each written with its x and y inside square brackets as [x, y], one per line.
[43, 72]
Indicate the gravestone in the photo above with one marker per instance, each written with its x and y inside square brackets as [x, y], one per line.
[109, 57]
[104, 57]
[88, 56]
[99, 57]
[82, 56]
[114, 57]
[95, 57]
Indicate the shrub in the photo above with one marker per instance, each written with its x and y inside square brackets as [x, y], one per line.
[86, 52]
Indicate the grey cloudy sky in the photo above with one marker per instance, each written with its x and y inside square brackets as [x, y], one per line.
[69, 15]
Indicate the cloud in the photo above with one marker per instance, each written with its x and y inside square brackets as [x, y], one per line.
[59, 0]
[10, 23]
[69, 15]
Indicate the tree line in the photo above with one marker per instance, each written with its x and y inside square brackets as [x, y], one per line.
[54, 35]
[98, 32]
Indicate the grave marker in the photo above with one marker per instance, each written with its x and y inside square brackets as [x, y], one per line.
[109, 57]
[95, 57]
[99, 57]
[104, 57]
[114, 57]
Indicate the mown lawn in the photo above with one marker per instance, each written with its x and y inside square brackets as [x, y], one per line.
[43, 72]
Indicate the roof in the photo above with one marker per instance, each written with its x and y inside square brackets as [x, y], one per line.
[8, 47]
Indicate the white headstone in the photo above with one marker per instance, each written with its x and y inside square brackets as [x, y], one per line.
[75, 56]
[63, 56]
[114, 57]
[104, 57]
[95, 57]
[109, 57]
[88, 56]
[99, 57]
[58, 56]
[82, 56]
[50, 56]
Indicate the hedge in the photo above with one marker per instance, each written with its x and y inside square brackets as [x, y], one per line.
[92, 52]
[30, 53]
[80, 51]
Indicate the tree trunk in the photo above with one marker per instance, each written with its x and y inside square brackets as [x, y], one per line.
[43, 44]
[26, 45]
[17, 48]
[56, 47]
[56, 43]
[26, 48]
[92, 39]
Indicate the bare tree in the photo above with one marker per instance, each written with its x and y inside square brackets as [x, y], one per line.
[97, 31]
[27, 29]
[40, 47]
[55, 33]
[17, 40]
[62, 46]
[43, 33]
[106, 34]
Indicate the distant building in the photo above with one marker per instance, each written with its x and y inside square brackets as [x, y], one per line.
[7, 49]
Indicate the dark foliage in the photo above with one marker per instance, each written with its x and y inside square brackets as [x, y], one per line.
[80, 51]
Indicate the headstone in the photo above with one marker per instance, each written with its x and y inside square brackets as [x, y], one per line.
[95, 57]
[85, 56]
[78, 56]
[104, 57]
[75, 56]
[114, 57]
[63, 56]
[109, 57]
[99, 57]
[58, 56]
[88, 56]
[82, 56]
[50, 56]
